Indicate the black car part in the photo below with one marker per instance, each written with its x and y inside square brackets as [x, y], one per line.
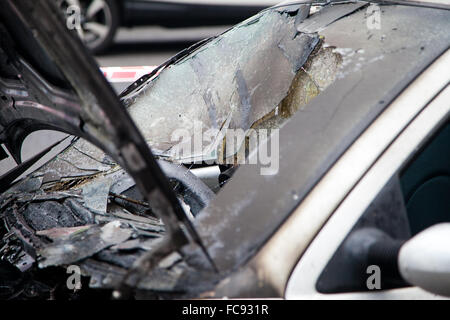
[100, 118]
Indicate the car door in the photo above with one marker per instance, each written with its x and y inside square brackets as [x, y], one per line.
[402, 193]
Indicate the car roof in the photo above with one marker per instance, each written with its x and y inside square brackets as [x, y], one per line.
[242, 218]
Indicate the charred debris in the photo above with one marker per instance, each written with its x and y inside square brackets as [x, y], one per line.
[84, 209]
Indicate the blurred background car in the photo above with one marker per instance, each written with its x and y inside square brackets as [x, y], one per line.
[97, 21]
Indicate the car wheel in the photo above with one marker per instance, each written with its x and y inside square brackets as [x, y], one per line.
[95, 21]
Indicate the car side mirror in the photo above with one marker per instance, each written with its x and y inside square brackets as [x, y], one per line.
[424, 260]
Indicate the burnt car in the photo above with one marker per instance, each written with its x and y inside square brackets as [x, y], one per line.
[303, 153]
[97, 21]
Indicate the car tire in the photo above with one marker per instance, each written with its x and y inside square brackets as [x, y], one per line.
[95, 21]
[101, 46]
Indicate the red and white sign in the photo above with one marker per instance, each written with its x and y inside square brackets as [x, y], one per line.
[125, 74]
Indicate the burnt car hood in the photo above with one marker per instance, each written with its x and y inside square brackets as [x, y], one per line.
[55, 84]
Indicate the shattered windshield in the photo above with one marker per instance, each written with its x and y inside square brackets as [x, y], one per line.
[247, 80]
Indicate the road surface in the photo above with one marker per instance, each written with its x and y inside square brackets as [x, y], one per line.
[152, 45]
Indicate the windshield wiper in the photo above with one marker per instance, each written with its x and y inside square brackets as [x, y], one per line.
[443, 4]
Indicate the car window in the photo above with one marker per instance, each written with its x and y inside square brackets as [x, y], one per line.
[425, 184]
[415, 198]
